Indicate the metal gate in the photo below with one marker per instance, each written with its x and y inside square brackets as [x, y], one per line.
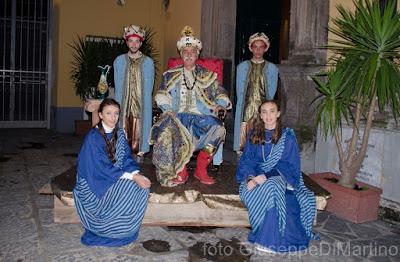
[24, 67]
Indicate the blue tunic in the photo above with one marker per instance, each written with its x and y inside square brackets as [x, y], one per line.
[282, 209]
[121, 66]
[110, 208]
[242, 79]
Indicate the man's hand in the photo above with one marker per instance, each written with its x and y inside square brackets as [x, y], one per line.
[142, 181]
[171, 113]
[217, 110]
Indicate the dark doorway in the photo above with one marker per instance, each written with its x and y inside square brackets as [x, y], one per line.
[270, 17]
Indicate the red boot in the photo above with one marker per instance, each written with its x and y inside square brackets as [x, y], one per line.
[203, 160]
[181, 178]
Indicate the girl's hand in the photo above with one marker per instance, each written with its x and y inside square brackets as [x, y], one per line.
[260, 179]
[251, 184]
[142, 181]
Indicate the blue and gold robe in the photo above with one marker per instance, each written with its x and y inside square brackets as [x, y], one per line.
[121, 70]
[111, 209]
[270, 75]
[281, 210]
[177, 134]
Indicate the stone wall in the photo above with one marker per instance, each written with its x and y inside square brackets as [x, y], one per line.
[297, 93]
[307, 33]
[218, 25]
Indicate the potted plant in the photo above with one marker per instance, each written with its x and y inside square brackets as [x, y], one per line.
[89, 54]
[92, 52]
[365, 77]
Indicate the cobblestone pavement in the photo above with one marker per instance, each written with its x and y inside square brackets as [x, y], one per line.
[30, 157]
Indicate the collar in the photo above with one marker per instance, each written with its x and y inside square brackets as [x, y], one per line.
[189, 70]
[107, 129]
[257, 62]
[139, 55]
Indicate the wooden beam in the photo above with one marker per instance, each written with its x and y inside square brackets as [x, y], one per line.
[192, 214]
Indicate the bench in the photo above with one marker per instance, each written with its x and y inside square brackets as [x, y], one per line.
[217, 205]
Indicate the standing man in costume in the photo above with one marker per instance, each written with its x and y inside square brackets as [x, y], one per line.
[134, 80]
[256, 81]
[190, 98]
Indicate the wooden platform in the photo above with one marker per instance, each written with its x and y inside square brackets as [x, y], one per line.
[193, 214]
[196, 213]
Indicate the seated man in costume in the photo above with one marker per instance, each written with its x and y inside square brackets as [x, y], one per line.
[190, 98]
[256, 81]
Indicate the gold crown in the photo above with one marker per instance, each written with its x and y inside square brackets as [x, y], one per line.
[188, 39]
[187, 31]
[259, 36]
[134, 30]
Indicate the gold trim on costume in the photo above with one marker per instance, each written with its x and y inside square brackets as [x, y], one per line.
[209, 149]
[172, 81]
[133, 132]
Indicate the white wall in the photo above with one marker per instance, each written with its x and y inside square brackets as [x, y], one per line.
[381, 167]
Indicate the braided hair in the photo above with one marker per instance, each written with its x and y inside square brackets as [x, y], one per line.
[110, 144]
[258, 134]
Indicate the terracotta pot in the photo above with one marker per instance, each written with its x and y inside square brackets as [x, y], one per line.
[357, 206]
[82, 127]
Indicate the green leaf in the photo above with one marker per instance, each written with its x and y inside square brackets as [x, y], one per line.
[366, 64]
[87, 55]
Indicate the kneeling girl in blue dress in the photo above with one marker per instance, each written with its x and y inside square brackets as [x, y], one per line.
[110, 193]
[281, 209]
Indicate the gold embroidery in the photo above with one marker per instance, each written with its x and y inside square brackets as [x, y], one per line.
[255, 93]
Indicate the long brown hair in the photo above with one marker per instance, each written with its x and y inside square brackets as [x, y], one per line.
[110, 145]
[258, 133]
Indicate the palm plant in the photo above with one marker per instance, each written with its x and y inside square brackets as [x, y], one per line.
[149, 49]
[88, 54]
[365, 77]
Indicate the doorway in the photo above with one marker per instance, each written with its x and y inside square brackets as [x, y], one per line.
[270, 17]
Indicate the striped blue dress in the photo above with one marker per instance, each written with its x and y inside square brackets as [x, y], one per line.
[110, 208]
[281, 210]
